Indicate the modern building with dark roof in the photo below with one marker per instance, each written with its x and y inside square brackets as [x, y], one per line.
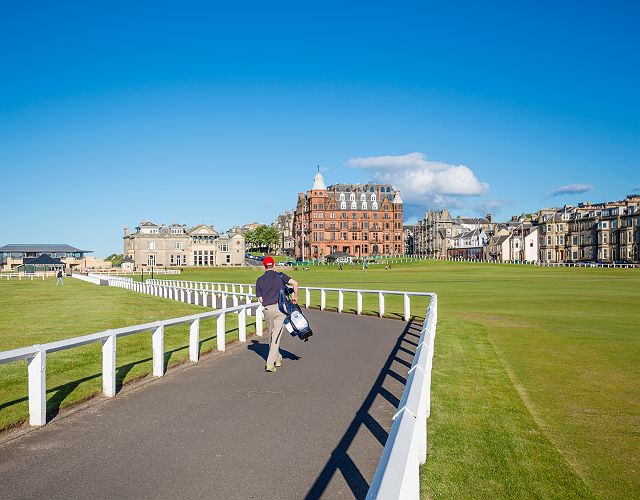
[15, 255]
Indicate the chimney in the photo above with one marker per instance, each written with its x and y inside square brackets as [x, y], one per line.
[126, 231]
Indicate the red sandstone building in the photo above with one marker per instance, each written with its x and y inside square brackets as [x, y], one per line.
[361, 220]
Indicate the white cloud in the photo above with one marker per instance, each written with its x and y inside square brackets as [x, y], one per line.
[422, 181]
[490, 206]
[572, 189]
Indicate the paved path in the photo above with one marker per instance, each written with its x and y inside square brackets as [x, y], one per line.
[226, 429]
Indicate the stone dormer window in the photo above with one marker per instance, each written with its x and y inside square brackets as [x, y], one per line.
[341, 196]
[363, 197]
[354, 206]
[373, 197]
[352, 197]
[343, 205]
[364, 205]
[374, 205]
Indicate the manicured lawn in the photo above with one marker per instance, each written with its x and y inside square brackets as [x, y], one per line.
[36, 311]
[536, 384]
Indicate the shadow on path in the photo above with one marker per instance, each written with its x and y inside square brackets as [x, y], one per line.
[340, 459]
[262, 350]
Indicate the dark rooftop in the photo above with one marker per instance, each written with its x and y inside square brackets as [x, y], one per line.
[39, 247]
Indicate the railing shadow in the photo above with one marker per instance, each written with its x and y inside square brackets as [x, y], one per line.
[340, 459]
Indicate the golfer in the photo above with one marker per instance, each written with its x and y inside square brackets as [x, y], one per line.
[268, 288]
[59, 275]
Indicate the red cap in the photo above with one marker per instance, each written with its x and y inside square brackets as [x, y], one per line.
[268, 261]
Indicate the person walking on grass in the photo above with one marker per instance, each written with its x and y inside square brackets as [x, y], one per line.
[59, 275]
[268, 288]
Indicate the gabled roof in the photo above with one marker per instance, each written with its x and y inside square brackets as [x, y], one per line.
[43, 260]
[37, 247]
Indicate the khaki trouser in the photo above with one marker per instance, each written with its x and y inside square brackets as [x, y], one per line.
[275, 320]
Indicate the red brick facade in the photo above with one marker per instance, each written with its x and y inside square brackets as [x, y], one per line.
[359, 219]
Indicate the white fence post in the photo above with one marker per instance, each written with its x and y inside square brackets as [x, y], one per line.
[194, 340]
[242, 325]
[307, 298]
[37, 369]
[407, 307]
[358, 302]
[381, 303]
[214, 300]
[323, 299]
[234, 300]
[157, 341]
[247, 300]
[109, 366]
[340, 300]
[221, 331]
[259, 315]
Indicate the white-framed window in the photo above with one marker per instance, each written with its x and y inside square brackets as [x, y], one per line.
[151, 260]
[354, 206]
[341, 196]
[178, 245]
[224, 247]
[374, 205]
[363, 197]
[352, 197]
[373, 197]
[343, 205]
[152, 245]
[364, 205]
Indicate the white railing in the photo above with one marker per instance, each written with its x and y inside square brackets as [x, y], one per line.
[122, 272]
[36, 355]
[398, 472]
[239, 289]
[27, 276]
[90, 278]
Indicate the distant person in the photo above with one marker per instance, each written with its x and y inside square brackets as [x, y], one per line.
[59, 275]
[268, 288]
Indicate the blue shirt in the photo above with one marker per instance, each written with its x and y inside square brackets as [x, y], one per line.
[268, 286]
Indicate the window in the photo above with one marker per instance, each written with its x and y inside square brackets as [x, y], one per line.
[374, 205]
[341, 197]
[362, 197]
[353, 205]
[152, 246]
[228, 259]
[151, 260]
[224, 247]
[373, 196]
[352, 197]
[364, 205]
[178, 245]
[354, 215]
[343, 205]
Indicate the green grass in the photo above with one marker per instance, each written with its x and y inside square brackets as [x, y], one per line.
[536, 383]
[37, 312]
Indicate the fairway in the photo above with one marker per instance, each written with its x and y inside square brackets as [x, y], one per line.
[535, 384]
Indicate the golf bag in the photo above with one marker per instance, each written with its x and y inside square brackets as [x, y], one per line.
[295, 322]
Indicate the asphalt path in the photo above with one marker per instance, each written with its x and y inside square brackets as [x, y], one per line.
[224, 428]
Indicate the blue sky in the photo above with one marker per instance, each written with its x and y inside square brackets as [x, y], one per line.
[111, 112]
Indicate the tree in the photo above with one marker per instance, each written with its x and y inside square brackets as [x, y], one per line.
[262, 237]
[252, 239]
[270, 237]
